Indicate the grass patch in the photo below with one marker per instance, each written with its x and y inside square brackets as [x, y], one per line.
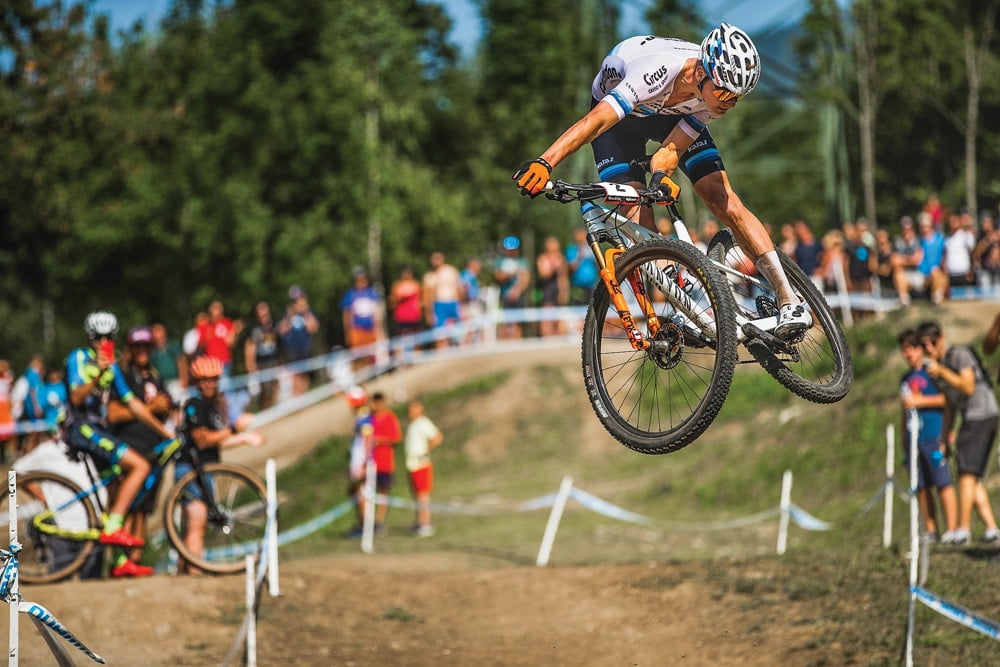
[842, 579]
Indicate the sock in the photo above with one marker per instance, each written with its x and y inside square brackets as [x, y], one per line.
[114, 522]
[770, 267]
[120, 560]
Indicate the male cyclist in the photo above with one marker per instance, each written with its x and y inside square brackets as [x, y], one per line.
[91, 377]
[668, 90]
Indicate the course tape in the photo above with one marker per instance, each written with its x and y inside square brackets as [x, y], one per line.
[804, 519]
[591, 502]
[969, 619]
[43, 616]
[595, 504]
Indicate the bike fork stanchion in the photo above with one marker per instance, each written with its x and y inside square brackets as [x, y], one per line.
[271, 475]
[14, 593]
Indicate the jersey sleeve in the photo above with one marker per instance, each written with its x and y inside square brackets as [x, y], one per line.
[76, 369]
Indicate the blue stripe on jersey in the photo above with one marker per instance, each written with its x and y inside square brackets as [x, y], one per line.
[695, 123]
[701, 156]
[620, 100]
[612, 171]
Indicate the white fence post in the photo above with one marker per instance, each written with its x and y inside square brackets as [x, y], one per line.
[368, 520]
[786, 499]
[251, 588]
[914, 428]
[553, 525]
[271, 473]
[15, 584]
[890, 455]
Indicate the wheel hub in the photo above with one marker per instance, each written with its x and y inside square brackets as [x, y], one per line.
[667, 346]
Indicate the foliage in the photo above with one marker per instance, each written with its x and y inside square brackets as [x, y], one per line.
[239, 147]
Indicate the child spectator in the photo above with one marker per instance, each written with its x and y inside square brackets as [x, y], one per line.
[207, 431]
[918, 392]
[422, 436]
[360, 452]
[386, 434]
[53, 397]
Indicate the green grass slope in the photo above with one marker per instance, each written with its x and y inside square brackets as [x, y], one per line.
[512, 436]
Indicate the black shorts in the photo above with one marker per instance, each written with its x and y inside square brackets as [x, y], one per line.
[973, 445]
[383, 482]
[105, 449]
[626, 141]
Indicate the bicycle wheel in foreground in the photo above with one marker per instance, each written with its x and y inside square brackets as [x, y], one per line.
[57, 534]
[233, 510]
[659, 400]
[816, 364]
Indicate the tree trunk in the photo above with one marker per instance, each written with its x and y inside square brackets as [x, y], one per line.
[864, 45]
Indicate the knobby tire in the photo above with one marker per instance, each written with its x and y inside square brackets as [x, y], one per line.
[240, 495]
[48, 558]
[657, 404]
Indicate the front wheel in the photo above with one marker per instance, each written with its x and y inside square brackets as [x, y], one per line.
[815, 364]
[56, 525]
[659, 400]
[215, 519]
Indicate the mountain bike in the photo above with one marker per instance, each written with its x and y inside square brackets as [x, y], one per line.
[664, 326]
[60, 519]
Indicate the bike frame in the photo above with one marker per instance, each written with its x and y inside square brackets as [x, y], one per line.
[611, 226]
[164, 451]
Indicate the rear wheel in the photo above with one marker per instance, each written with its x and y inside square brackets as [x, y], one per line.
[56, 533]
[659, 400]
[815, 364]
[232, 507]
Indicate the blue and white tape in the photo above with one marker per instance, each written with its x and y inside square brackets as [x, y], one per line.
[959, 614]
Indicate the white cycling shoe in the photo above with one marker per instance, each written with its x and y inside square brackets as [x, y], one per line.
[792, 320]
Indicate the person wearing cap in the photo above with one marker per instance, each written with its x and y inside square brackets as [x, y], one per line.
[148, 386]
[360, 452]
[93, 378]
[208, 430]
[513, 276]
[362, 309]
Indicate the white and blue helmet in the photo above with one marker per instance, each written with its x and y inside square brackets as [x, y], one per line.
[100, 323]
[730, 59]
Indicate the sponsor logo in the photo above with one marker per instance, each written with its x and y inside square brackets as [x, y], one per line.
[652, 78]
[609, 72]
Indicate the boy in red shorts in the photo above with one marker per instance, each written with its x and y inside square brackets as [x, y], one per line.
[421, 437]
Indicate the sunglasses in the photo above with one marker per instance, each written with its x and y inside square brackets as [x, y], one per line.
[724, 95]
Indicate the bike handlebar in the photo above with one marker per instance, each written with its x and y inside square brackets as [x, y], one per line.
[613, 193]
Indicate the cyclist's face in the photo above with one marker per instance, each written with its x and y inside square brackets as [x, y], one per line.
[718, 99]
[208, 386]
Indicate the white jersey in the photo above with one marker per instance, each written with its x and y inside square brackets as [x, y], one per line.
[638, 76]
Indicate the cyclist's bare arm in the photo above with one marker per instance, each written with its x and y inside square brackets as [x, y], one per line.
[598, 120]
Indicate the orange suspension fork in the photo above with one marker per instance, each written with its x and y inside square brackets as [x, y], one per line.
[606, 263]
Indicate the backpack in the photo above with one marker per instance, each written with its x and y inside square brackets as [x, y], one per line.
[983, 373]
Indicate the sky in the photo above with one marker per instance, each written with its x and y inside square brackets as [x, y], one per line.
[751, 15]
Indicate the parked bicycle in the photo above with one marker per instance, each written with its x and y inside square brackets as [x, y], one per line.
[664, 327]
[59, 521]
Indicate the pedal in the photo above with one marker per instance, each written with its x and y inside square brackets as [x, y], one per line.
[751, 331]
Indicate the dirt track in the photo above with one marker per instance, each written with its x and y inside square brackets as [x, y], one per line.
[442, 608]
